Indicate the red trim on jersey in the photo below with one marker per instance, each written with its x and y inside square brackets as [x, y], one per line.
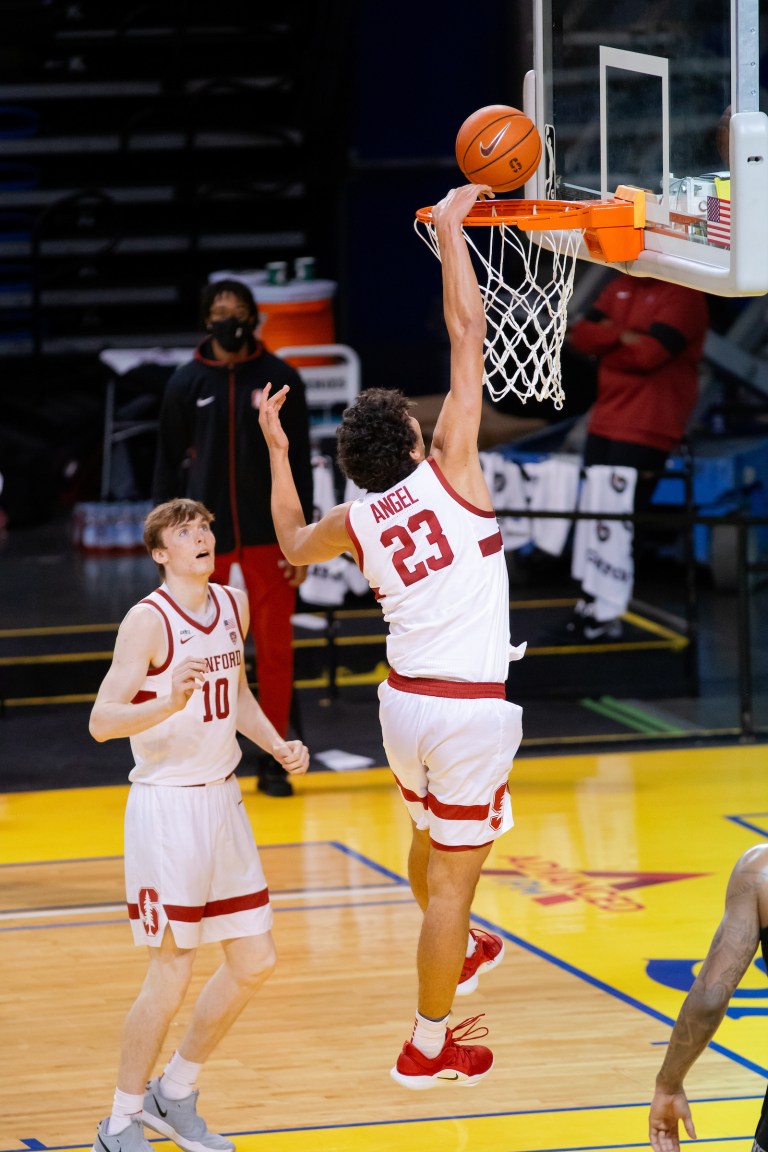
[234, 609]
[451, 689]
[193, 915]
[206, 628]
[412, 797]
[168, 635]
[140, 697]
[353, 537]
[491, 544]
[457, 847]
[454, 494]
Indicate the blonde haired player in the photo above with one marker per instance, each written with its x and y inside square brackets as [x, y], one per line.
[426, 537]
[177, 689]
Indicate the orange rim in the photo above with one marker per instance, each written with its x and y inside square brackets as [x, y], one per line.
[613, 229]
[545, 213]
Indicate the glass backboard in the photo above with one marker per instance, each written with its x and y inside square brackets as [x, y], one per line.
[662, 95]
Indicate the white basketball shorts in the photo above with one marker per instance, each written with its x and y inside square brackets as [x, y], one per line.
[191, 862]
[451, 756]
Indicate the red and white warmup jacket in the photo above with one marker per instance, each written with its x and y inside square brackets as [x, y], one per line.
[436, 565]
[197, 745]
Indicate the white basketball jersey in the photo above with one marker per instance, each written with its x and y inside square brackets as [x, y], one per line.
[198, 744]
[436, 564]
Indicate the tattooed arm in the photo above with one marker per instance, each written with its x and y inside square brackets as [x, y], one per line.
[730, 954]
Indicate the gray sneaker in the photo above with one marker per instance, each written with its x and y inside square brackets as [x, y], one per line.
[131, 1139]
[178, 1119]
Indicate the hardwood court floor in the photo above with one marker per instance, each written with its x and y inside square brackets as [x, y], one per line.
[607, 893]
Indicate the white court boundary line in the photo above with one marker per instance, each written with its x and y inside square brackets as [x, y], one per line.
[97, 909]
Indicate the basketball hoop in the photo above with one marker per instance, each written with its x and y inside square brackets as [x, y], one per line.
[527, 322]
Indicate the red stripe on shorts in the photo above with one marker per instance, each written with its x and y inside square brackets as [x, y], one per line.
[193, 915]
[412, 797]
[449, 689]
[457, 847]
[457, 811]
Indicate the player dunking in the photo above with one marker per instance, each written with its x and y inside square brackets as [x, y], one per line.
[177, 688]
[427, 540]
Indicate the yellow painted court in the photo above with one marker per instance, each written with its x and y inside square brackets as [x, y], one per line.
[607, 892]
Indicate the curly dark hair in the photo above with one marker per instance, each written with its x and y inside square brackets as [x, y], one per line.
[237, 289]
[375, 439]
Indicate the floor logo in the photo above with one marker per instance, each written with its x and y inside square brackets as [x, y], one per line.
[548, 882]
[680, 975]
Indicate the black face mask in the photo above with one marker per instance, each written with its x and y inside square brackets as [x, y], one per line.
[231, 333]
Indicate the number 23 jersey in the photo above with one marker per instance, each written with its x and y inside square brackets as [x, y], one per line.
[436, 564]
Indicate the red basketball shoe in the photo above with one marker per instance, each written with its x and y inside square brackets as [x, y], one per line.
[488, 953]
[455, 1064]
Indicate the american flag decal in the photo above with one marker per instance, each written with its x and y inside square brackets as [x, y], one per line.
[719, 221]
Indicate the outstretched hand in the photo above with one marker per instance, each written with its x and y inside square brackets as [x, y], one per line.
[269, 417]
[666, 1110]
[458, 203]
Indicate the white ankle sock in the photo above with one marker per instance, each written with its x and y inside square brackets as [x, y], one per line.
[429, 1035]
[471, 946]
[124, 1107]
[179, 1077]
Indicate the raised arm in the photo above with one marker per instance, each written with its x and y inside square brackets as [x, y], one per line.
[731, 952]
[300, 543]
[454, 443]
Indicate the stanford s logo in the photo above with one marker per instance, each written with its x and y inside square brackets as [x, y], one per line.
[149, 906]
[496, 811]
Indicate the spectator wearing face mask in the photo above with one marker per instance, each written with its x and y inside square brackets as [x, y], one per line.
[210, 448]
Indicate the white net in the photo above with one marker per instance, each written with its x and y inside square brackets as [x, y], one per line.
[527, 321]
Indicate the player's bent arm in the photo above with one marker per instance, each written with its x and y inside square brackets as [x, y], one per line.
[314, 543]
[300, 543]
[140, 643]
[254, 724]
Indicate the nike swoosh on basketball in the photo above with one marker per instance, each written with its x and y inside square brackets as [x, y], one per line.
[204, 401]
[487, 149]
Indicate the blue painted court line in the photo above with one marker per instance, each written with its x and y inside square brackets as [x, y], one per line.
[624, 997]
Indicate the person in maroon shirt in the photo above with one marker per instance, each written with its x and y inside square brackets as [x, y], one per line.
[647, 337]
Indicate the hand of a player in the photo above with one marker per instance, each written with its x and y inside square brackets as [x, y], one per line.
[666, 1110]
[269, 417]
[293, 756]
[187, 675]
[294, 574]
[458, 203]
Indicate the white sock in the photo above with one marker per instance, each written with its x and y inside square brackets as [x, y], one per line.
[471, 946]
[125, 1107]
[179, 1077]
[429, 1035]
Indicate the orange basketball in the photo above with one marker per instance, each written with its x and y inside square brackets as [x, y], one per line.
[500, 146]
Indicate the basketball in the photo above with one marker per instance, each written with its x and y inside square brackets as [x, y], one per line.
[500, 146]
